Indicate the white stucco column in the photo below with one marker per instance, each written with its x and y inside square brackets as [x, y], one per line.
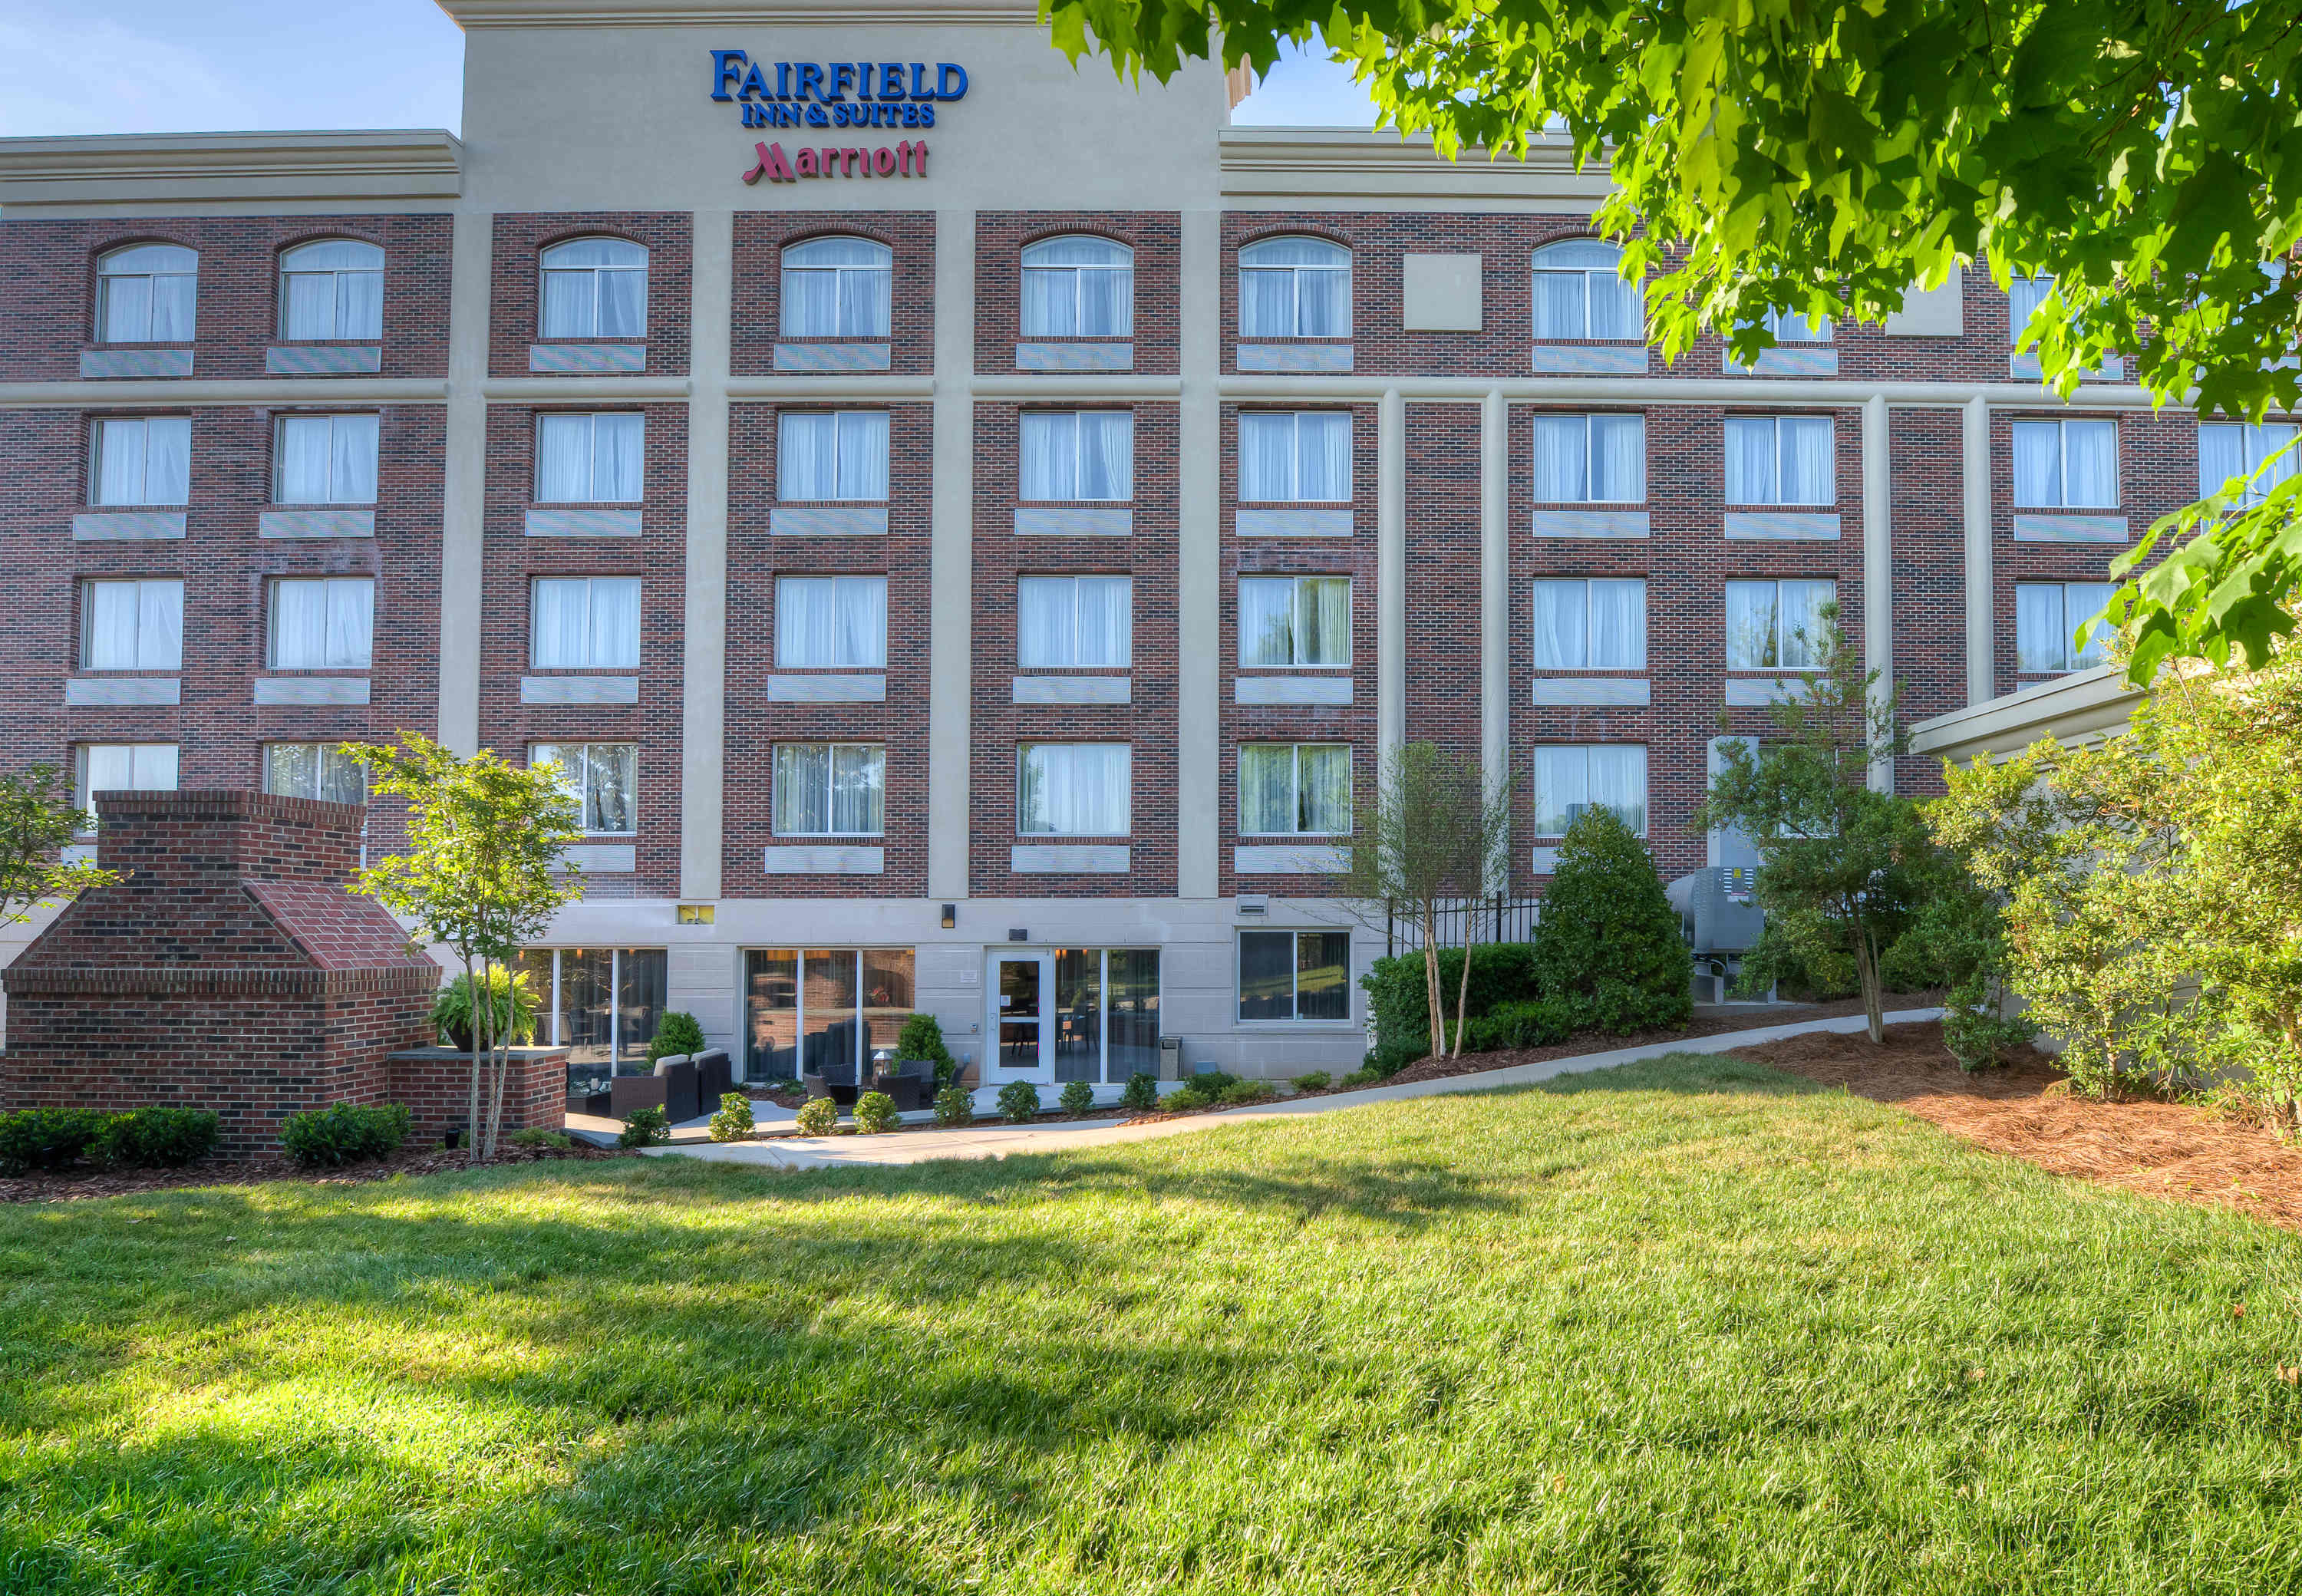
[1391, 576]
[1494, 586]
[464, 487]
[703, 681]
[1877, 567]
[1981, 633]
[1198, 580]
[951, 559]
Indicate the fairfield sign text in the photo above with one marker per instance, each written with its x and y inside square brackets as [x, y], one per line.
[806, 94]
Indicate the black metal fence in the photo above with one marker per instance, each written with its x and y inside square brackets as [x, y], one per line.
[1496, 918]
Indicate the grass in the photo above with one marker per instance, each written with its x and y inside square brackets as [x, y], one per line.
[1688, 1326]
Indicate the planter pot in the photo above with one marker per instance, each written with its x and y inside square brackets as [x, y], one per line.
[460, 1040]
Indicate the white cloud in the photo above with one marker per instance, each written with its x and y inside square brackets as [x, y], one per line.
[101, 78]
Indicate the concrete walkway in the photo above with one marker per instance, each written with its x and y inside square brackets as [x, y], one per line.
[998, 1141]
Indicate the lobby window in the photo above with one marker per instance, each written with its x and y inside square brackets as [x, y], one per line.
[1078, 287]
[831, 622]
[1295, 975]
[2047, 615]
[143, 460]
[831, 455]
[1294, 287]
[323, 623]
[332, 290]
[831, 789]
[838, 288]
[1589, 459]
[1776, 626]
[123, 767]
[1599, 624]
[604, 1006]
[147, 294]
[1294, 789]
[323, 459]
[1571, 776]
[584, 623]
[1579, 293]
[2229, 448]
[1076, 455]
[1074, 622]
[805, 1008]
[589, 460]
[1781, 459]
[2066, 464]
[132, 625]
[1073, 789]
[322, 770]
[1289, 456]
[1295, 620]
[602, 777]
[596, 288]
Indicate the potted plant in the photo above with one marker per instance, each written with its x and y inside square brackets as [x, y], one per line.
[515, 1009]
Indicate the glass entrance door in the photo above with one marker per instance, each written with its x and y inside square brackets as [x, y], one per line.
[1019, 1010]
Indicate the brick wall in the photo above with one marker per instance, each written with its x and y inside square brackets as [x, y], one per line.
[761, 237]
[1930, 563]
[436, 1086]
[516, 296]
[1154, 236]
[1444, 558]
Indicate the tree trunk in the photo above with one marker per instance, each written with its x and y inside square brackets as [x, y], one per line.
[471, 1114]
[1435, 992]
[499, 1063]
[1463, 996]
[1866, 971]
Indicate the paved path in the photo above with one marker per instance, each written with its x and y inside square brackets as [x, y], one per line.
[997, 1141]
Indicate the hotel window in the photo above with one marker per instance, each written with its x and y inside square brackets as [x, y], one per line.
[322, 770]
[1074, 622]
[1077, 454]
[831, 789]
[604, 1006]
[1294, 789]
[829, 455]
[1579, 293]
[132, 625]
[832, 622]
[1291, 457]
[324, 459]
[805, 1008]
[323, 623]
[1789, 326]
[589, 460]
[838, 288]
[1569, 777]
[1294, 620]
[1781, 459]
[1776, 626]
[147, 460]
[584, 623]
[1073, 789]
[1294, 287]
[2047, 615]
[1106, 1004]
[1078, 287]
[331, 290]
[1295, 975]
[2066, 464]
[125, 768]
[1595, 624]
[146, 294]
[596, 288]
[2229, 449]
[1589, 459]
[2024, 295]
[603, 779]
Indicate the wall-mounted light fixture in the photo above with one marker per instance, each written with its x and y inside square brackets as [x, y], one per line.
[695, 914]
[1018, 934]
[950, 916]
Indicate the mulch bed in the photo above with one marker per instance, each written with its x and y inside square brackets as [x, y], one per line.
[87, 1182]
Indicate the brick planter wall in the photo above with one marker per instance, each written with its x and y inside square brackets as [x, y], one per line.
[435, 1083]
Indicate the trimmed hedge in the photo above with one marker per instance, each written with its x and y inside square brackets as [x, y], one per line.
[345, 1133]
[54, 1138]
[1501, 972]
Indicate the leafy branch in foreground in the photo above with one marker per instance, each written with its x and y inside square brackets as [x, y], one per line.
[37, 820]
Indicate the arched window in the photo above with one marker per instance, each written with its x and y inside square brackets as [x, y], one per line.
[145, 294]
[1578, 293]
[332, 289]
[596, 288]
[1078, 287]
[1294, 287]
[838, 288]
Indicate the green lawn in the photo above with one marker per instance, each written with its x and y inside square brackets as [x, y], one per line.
[1689, 1326]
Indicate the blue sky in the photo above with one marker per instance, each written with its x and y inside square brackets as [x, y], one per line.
[166, 66]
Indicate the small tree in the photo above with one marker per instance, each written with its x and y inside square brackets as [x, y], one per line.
[485, 839]
[37, 820]
[1609, 942]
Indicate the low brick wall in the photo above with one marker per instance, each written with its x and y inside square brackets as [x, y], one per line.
[435, 1083]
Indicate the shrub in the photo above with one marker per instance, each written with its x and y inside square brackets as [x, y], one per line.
[733, 1120]
[1537, 1024]
[515, 1004]
[922, 1037]
[1240, 1093]
[1142, 1091]
[1357, 1079]
[1188, 1098]
[1610, 942]
[345, 1133]
[158, 1138]
[1211, 1084]
[817, 1116]
[1019, 1100]
[676, 1035]
[874, 1113]
[645, 1127]
[1399, 1009]
[1078, 1098]
[955, 1105]
[542, 1139]
[1311, 1081]
[46, 1138]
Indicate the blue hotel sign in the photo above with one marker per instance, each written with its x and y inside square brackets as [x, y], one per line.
[834, 94]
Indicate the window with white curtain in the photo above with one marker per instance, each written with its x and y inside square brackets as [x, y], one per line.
[832, 622]
[140, 460]
[602, 777]
[584, 623]
[1589, 459]
[1295, 456]
[125, 768]
[1077, 454]
[1579, 293]
[323, 623]
[321, 771]
[1294, 287]
[1294, 789]
[1079, 287]
[827, 455]
[146, 293]
[596, 288]
[1062, 622]
[333, 288]
[1593, 624]
[2066, 464]
[1781, 459]
[324, 459]
[838, 288]
[831, 789]
[132, 625]
[1571, 776]
[1789, 326]
[1295, 620]
[2228, 448]
[2047, 615]
[1776, 626]
[591, 459]
[2024, 295]
[1073, 789]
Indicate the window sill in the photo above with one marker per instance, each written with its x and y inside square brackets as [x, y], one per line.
[315, 521]
[135, 360]
[2069, 526]
[1087, 519]
[1068, 857]
[1295, 356]
[121, 689]
[1585, 357]
[1332, 688]
[572, 688]
[587, 357]
[111, 523]
[599, 520]
[834, 355]
[323, 357]
[1066, 353]
[1582, 523]
[1591, 691]
[1071, 685]
[827, 687]
[824, 859]
[1319, 519]
[831, 519]
[1782, 527]
[312, 689]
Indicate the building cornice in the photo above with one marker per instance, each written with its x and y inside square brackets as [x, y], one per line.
[176, 169]
[1279, 166]
[469, 14]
